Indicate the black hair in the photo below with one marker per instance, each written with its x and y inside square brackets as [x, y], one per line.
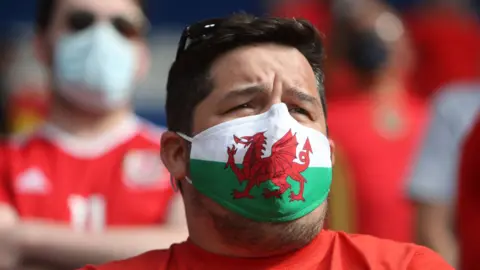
[189, 81]
[46, 9]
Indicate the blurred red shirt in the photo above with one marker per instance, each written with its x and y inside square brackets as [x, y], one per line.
[377, 146]
[115, 179]
[468, 219]
[340, 79]
[446, 43]
[315, 11]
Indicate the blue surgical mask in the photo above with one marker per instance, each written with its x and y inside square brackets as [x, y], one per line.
[95, 68]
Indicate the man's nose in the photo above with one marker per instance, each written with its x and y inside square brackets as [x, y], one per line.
[277, 92]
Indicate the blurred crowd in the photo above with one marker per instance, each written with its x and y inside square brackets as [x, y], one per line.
[403, 95]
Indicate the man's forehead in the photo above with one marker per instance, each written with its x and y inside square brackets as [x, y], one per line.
[103, 8]
[262, 65]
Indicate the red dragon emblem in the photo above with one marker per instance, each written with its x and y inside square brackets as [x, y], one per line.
[276, 168]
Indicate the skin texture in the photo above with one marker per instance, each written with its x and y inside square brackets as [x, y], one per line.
[248, 81]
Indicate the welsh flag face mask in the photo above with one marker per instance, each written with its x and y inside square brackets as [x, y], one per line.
[266, 167]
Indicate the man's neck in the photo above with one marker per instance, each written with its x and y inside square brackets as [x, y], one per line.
[251, 239]
[219, 247]
[83, 124]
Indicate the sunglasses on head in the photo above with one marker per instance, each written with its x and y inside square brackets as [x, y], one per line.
[197, 33]
[80, 20]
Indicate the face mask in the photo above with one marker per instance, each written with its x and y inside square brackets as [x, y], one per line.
[266, 167]
[95, 68]
[367, 52]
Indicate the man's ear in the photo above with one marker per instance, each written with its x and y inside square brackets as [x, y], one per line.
[332, 151]
[174, 154]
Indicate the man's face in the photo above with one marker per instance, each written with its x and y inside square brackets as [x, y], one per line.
[248, 81]
[71, 16]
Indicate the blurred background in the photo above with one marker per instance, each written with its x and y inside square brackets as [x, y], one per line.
[435, 31]
[23, 79]
[387, 61]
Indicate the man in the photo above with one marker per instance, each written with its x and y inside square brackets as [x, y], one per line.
[89, 186]
[433, 182]
[468, 219]
[378, 128]
[248, 151]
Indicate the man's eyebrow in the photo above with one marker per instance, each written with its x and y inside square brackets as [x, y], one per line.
[245, 91]
[302, 96]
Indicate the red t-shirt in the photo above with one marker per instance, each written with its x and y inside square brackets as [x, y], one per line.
[330, 250]
[316, 12]
[378, 161]
[115, 179]
[341, 79]
[446, 44]
[468, 206]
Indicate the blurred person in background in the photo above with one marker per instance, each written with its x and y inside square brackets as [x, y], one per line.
[247, 146]
[89, 185]
[323, 15]
[25, 103]
[445, 37]
[433, 182]
[468, 203]
[318, 12]
[5, 52]
[27, 108]
[377, 129]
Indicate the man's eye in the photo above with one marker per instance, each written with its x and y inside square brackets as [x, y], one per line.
[299, 110]
[240, 107]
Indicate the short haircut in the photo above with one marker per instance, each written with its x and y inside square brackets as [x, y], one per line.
[189, 81]
[46, 10]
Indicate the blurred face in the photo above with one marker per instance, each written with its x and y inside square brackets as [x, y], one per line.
[378, 41]
[96, 53]
[248, 81]
[71, 16]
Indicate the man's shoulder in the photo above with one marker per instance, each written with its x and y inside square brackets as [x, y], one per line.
[22, 140]
[15, 149]
[374, 244]
[156, 259]
[394, 253]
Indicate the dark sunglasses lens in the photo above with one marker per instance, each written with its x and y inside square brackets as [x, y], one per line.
[198, 32]
[126, 28]
[80, 20]
[203, 28]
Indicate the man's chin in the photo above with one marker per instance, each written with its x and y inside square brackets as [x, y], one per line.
[263, 238]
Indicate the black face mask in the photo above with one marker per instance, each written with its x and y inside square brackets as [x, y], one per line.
[367, 52]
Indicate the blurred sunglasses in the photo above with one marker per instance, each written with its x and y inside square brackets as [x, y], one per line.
[196, 33]
[80, 20]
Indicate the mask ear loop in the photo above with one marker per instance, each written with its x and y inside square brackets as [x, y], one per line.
[185, 137]
[188, 139]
